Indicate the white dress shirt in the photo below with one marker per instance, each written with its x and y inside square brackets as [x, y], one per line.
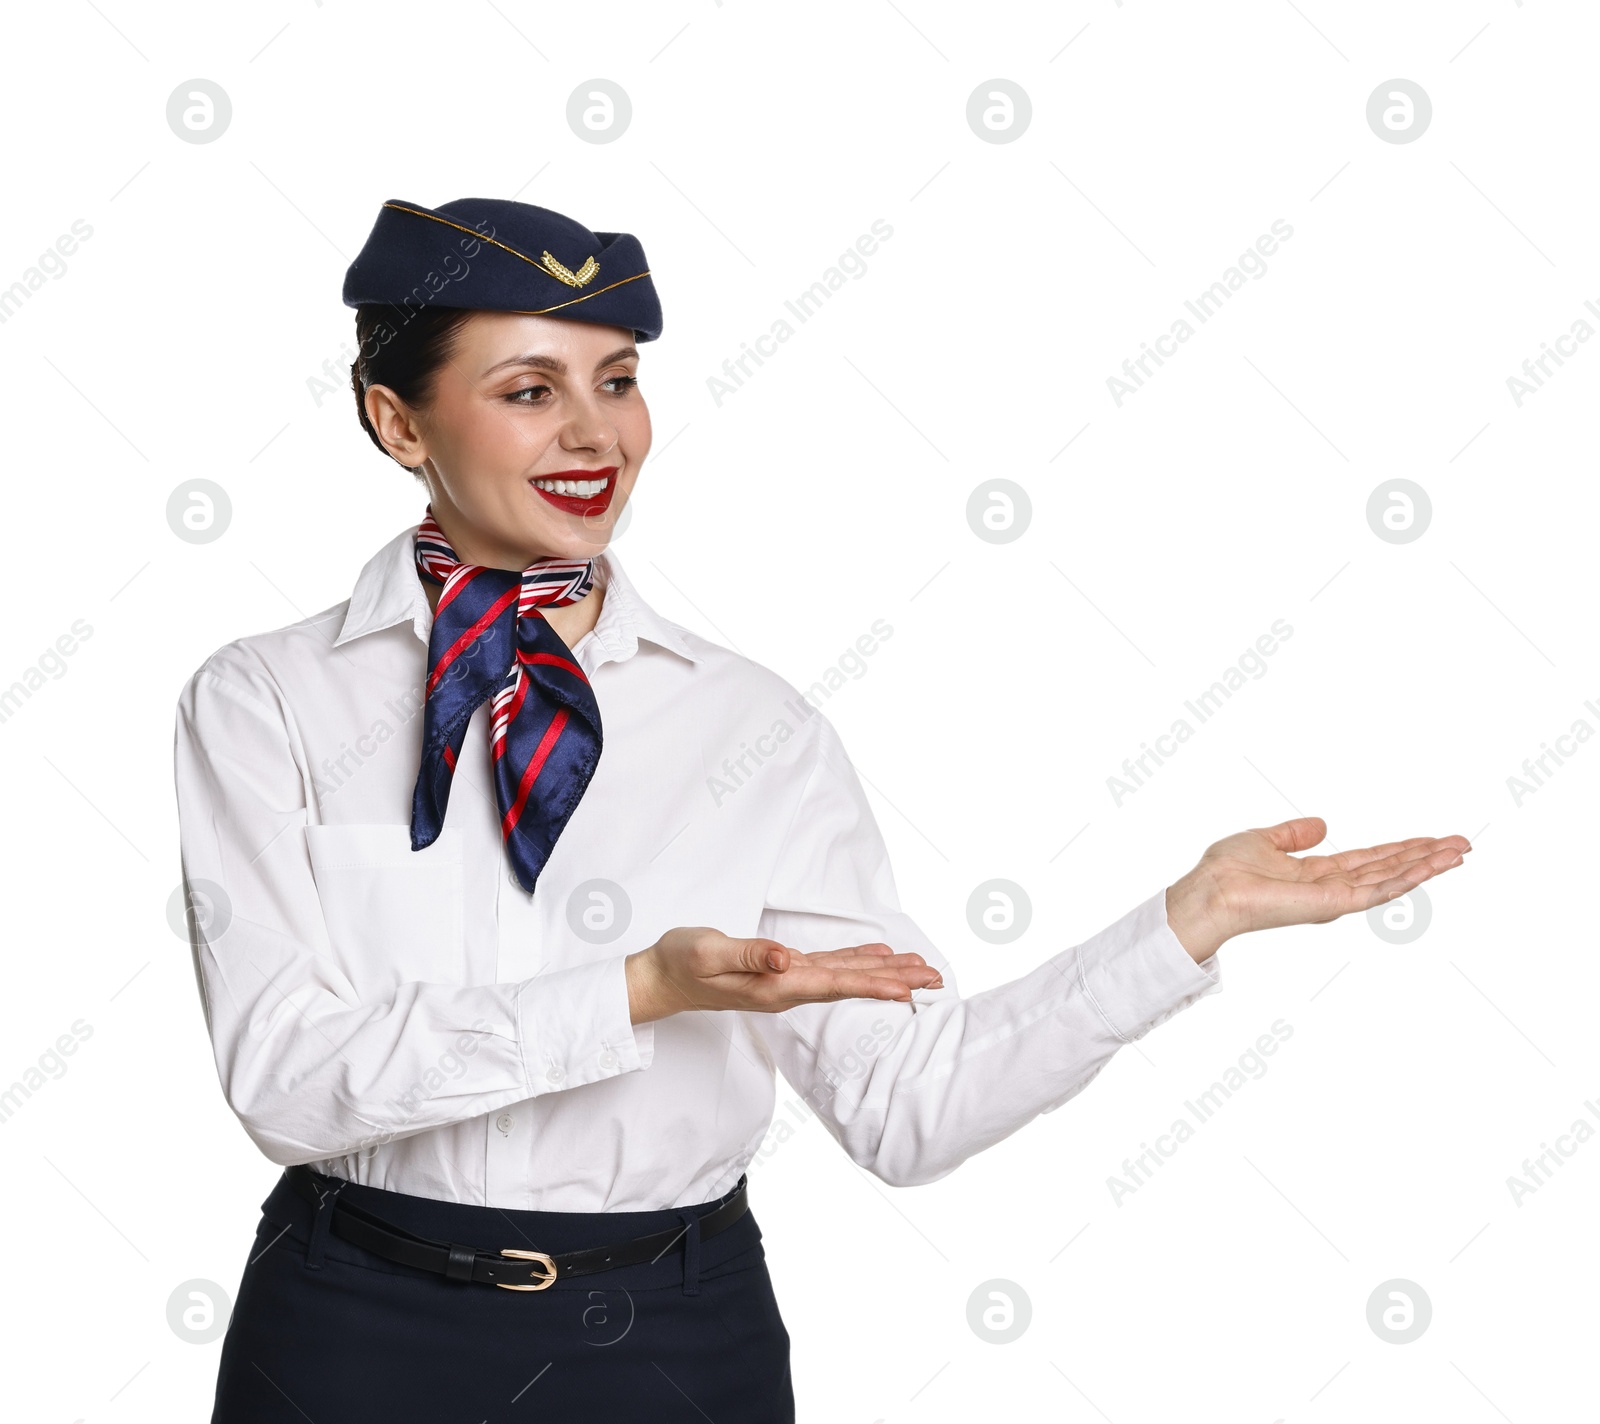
[414, 1020]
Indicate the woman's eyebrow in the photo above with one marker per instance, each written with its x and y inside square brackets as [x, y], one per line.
[556, 364]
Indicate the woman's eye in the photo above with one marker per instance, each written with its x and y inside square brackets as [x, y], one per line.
[516, 397]
[626, 382]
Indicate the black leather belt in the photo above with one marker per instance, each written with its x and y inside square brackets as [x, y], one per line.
[512, 1268]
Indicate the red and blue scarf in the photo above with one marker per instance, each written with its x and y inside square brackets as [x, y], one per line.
[490, 640]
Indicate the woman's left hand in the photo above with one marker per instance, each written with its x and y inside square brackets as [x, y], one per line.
[1250, 881]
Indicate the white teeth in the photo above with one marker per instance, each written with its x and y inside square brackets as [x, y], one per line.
[583, 489]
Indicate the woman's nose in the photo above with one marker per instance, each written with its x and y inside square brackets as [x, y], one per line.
[589, 429]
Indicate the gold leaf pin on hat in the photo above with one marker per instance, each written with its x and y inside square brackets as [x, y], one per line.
[584, 275]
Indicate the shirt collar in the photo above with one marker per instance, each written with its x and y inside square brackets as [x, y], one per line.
[388, 591]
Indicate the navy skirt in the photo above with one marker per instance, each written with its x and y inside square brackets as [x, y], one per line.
[325, 1330]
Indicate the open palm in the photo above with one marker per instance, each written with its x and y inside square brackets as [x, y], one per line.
[1254, 881]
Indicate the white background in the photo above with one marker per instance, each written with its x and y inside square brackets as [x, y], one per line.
[830, 491]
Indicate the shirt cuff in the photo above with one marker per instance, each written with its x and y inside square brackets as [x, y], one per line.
[575, 1027]
[1137, 973]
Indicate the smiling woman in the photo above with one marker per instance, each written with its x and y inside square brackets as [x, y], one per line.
[510, 1007]
[464, 399]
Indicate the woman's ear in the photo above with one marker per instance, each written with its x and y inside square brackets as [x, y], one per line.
[397, 426]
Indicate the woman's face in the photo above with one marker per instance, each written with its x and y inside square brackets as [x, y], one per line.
[524, 401]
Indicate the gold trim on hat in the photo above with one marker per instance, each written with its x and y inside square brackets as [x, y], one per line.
[584, 298]
[546, 264]
[541, 311]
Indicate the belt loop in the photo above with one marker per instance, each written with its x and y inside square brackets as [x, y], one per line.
[691, 1253]
[319, 1225]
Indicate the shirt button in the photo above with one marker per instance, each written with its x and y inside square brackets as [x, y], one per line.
[555, 1076]
[503, 1122]
[609, 1060]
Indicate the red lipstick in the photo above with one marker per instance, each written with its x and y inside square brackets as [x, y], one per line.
[585, 506]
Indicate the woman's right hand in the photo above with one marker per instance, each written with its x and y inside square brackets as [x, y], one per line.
[699, 968]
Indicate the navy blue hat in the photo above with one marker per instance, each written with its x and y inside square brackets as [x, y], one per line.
[495, 255]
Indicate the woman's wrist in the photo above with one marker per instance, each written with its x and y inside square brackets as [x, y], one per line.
[637, 973]
[1195, 915]
[644, 987]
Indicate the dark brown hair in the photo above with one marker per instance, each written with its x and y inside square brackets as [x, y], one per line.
[402, 349]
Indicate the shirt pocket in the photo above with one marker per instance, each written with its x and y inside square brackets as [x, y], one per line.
[393, 914]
